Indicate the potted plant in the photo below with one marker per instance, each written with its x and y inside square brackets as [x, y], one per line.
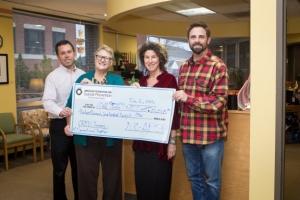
[238, 77]
[133, 80]
[118, 56]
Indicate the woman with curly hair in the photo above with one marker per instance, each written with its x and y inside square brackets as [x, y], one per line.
[153, 161]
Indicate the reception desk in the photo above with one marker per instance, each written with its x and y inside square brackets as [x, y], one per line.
[235, 178]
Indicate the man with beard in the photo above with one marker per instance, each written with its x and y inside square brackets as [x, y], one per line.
[57, 89]
[202, 94]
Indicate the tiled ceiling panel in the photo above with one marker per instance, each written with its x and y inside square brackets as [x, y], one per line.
[157, 13]
[241, 7]
[239, 16]
[217, 3]
[212, 18]
[180, 6]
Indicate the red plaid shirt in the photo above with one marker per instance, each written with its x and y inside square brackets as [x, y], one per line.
[204, 117]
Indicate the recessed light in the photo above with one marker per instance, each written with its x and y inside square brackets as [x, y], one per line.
[195, 11]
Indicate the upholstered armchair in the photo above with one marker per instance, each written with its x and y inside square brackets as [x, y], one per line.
[39, 121]
[11, 138]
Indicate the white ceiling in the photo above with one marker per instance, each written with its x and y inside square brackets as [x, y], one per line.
[94, 10]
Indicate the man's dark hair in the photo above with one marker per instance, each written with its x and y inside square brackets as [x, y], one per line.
[159, 50]
[198, 24]
[63, 42]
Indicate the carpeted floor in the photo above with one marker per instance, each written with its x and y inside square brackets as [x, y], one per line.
[292, 172]
[26, 180]
[29, 181]
[33, 181]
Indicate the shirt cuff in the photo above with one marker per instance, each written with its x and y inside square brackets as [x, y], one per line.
[190, 100]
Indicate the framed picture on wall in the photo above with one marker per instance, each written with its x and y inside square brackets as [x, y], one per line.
[3, 69]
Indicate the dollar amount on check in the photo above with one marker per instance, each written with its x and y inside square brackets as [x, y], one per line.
[122, 112]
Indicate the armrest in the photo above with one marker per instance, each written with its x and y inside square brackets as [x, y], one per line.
[24, 126]
[38, 127]
[34, 124]
[3, 136]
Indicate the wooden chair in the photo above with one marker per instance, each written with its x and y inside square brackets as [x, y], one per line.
[39, 121]
[11, 138]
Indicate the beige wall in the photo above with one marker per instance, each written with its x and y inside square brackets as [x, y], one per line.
[121, 41]
[8, 91]
[263, 73]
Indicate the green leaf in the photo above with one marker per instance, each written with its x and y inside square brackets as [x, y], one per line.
[133, 80]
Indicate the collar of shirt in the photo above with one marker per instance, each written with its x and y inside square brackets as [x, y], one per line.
[203, 60]
[64, 68]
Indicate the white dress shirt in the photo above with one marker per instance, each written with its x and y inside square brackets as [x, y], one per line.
[58, 86]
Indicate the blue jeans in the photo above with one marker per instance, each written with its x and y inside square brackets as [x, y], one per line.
[204, 169]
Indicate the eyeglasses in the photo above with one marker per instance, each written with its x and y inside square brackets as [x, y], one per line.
[99, 57]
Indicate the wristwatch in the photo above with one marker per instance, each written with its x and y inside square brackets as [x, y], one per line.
[172, 141]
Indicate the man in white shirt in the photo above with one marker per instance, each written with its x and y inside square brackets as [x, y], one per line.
[57, 90]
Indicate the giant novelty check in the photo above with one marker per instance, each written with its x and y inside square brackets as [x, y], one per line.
[122, 112]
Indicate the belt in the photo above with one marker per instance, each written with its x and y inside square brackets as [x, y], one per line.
[58, 118]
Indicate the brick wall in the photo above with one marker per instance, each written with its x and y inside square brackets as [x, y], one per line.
[20, 20]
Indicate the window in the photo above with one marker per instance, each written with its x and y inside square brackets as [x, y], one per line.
[235, 52]
[244, 57]
[217, 50]
[35, 57]
[34, 37]
[230, 55]
[58, 34]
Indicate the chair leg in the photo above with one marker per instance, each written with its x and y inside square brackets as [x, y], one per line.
[5, 159]
[48, 145]
[16, 152]
[24, 150]
[42, 149]
[34, 152]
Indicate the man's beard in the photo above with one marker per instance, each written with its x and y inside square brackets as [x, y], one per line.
[198, 50]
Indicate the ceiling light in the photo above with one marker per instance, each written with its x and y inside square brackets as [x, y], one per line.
[195, 11]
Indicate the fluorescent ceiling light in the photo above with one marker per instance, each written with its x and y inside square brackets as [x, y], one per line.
[195, 11]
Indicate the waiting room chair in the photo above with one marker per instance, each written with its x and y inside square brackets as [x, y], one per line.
[11, 138]
[39, 121]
